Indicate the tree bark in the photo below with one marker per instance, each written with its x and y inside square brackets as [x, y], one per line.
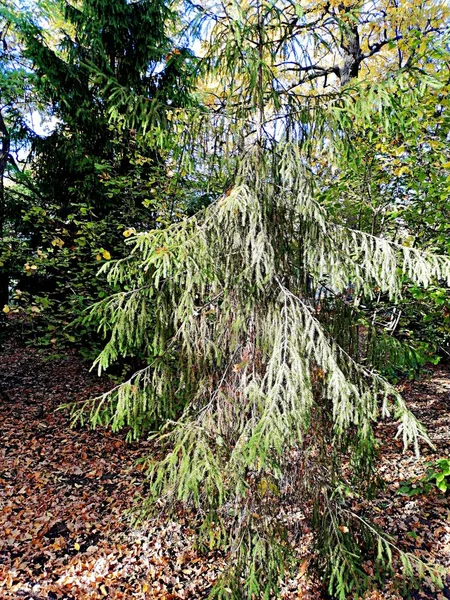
[352, 56]
[351, 46]
[4, 157]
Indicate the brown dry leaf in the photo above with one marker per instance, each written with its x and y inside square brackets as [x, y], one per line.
[64, 493]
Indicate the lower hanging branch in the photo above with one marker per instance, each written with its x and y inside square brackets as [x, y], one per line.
[271, 413]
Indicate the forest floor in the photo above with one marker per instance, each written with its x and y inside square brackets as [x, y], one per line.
[64, 492]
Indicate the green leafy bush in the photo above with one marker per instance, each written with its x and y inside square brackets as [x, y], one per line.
[437, 477]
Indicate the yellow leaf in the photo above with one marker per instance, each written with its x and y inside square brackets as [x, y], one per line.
[98, 257]
[6, 309]
[106, 255]
[408, 241]
[263, 486]
[35, 309]
[103, 590]
[76, 546]
[144, 587]
[403, 171]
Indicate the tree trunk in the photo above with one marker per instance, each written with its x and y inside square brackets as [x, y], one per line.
[4, 157]
[352, 56]
[351, 46]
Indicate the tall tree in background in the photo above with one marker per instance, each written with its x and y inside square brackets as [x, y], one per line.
[91, 180]
[268, 407]
[125, 42]
[396, 185]
[17, 102]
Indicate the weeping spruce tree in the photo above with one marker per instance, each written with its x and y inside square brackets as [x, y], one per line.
[264, 413]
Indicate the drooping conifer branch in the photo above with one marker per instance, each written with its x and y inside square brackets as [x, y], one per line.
[240, 366]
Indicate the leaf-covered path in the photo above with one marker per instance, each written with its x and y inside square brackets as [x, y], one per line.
[63, 494]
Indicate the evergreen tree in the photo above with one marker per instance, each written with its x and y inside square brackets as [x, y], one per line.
[89, 181]
[17, 101]
[266, 407]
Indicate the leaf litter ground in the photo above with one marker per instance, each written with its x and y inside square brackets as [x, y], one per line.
[64, 493]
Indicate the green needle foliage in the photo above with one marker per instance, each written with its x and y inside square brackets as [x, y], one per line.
[268, 406]
[265, 412]
[85, 183]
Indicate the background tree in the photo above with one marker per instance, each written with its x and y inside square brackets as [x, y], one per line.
[91, 180]
[17, 103]
[394, 185]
